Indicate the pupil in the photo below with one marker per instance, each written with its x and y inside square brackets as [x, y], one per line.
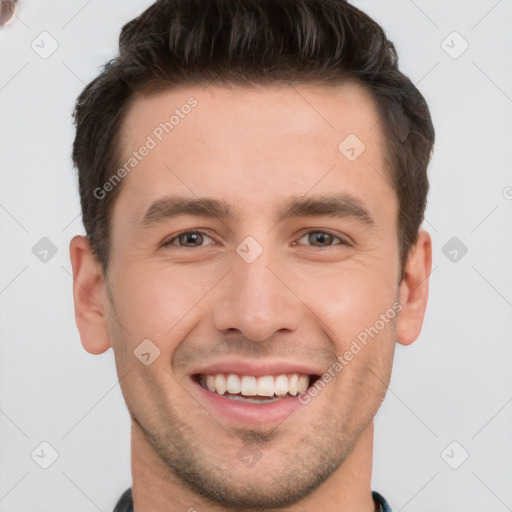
[190, 237]
[320, 236]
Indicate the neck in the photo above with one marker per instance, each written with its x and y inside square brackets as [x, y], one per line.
[156, 487]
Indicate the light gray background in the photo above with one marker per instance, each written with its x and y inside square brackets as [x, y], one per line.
[453, 384]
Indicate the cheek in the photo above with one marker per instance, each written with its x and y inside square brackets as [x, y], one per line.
[349, 300]
[157, 302]
[161, 301]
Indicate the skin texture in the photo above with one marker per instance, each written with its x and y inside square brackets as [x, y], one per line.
[303, 300]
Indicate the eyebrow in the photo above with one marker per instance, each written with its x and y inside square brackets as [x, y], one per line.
[342, 205]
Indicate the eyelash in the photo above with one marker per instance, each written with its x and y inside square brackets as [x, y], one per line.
[343, 242]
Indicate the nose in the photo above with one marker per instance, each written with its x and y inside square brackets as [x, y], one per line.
[257, 300]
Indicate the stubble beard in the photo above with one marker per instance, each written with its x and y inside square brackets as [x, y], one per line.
[221, 478]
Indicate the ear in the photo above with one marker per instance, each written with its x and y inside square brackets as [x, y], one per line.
[413, 290]
[89, 296]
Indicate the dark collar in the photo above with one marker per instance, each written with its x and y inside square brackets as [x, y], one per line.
[125, 503]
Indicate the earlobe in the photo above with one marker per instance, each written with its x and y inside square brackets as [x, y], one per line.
[89, 296]
[413, 290]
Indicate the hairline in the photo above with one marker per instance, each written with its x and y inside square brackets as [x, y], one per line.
[156, 87]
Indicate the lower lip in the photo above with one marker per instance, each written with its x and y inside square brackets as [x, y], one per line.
[248, 412]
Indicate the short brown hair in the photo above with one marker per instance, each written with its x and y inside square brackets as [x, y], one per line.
[252, 42]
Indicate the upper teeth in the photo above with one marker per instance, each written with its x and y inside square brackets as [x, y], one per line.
[247, 385]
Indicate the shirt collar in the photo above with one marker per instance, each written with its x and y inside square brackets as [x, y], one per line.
[125, 503]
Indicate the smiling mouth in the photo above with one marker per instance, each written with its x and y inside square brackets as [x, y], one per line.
[263, 389]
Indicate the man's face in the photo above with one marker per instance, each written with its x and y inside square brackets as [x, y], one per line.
[260, 293]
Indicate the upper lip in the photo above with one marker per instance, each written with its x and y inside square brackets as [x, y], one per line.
[257, 369]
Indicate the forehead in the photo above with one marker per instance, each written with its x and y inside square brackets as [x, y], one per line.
[252, 145]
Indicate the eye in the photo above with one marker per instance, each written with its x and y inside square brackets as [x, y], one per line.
[322, 239]
[187, 239]
[192, 239]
